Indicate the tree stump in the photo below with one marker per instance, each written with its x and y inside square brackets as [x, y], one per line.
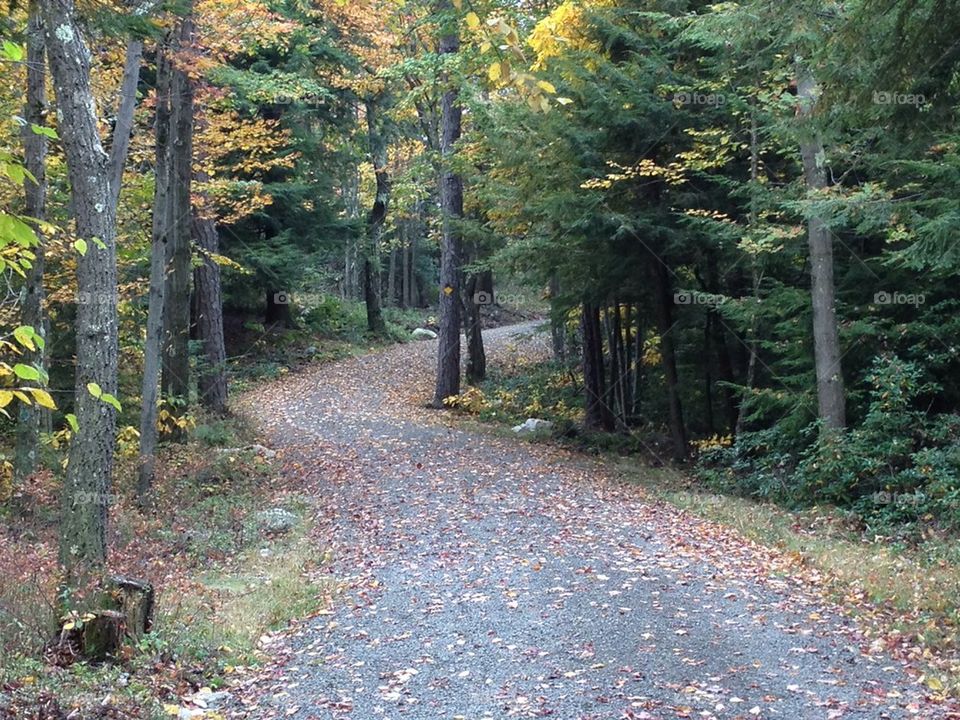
[135, 599]
[103, 635]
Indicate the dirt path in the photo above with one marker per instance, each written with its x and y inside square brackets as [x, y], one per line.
[492, 578]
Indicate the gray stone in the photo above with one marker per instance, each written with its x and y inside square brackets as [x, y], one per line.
[276, 521]
[424, 334]
[533, 425]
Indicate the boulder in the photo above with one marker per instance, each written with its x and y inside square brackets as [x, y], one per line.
[424, 334]
[533, 425]
[276, 521]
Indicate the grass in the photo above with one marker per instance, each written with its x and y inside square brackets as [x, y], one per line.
[222, 583]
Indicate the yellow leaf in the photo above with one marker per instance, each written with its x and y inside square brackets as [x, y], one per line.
[546, 87]
[43, 398]
[473, 20]
[458, 4]
[934, 683]
[6, 397]
[494, 72]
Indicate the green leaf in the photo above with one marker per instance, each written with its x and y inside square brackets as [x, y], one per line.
[13, 229]
[111, 400]
[72, 421]
[26, 372]
[99, 243]
[43, 130]
[12, 51]
[95, 390]
[80, 245]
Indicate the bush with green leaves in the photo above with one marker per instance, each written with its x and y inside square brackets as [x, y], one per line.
[899, 466]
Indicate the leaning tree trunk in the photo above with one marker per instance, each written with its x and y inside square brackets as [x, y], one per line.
[123, 128]
[159, 261]
[208, 320]
[35, 194]
[175, 376]
[83, 547]
[826, 333]
[451, 203]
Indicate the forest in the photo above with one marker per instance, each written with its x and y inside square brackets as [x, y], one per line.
[707, 246]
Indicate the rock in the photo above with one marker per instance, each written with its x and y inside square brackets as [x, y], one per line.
[255, 449]
[424, 334]
[533, 425]
[276, 521]
[261, 450]
[207, 698]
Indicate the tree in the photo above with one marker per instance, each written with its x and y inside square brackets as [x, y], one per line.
[175, 375]
[451, 203]
[35, 192]
[826, 335]
[85, 493]
[376, 219]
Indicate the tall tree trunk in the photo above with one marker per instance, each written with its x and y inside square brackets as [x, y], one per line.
[35, 194]
[628, 360]
[404, 295]
[597, 415]
[479, 286]
[451, 202]
[83, 546]
[826, 333]
[208, 319]
[123, 127]
[160, 258]
[708, 372]
[664, 311]
[751, 370]
[558, 325]
[391, 299]
[376, 220]
[176, 355]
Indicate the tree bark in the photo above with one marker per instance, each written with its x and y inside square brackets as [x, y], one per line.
[123, 127]
[376, 219]
[826, 333]
[663, 307]
[176, 357]
[558, 327]
[160, 257]
[35, 195]
[598, 415]
[208, 319]
[83, 547]
[451, 203]
[478, 284]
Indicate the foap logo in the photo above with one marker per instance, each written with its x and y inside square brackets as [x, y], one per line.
[698, 298]
[898, 298]
[698, 98]
[899, 499]
[889, 97]
[282, 298]
[93, 298]
[93, 498]
[309, 99]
